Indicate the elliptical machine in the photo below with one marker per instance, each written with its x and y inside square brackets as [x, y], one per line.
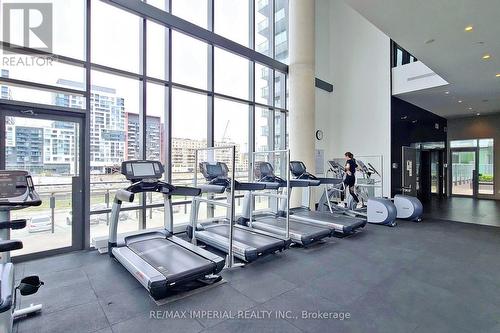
[16, 192]
[408, 207]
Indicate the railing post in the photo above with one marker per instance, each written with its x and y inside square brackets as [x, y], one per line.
[106, 200]
[52, 210]
[150, 195]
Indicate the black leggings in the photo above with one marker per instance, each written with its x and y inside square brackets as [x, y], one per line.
[349, 181]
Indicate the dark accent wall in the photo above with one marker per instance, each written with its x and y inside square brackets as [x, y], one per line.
[411, 124]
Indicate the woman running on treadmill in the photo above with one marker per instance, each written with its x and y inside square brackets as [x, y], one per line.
[350, 177]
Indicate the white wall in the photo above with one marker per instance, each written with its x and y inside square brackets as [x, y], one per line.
[414, 76]
[354, 56]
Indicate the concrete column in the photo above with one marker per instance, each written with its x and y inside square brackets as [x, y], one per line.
[301, 82]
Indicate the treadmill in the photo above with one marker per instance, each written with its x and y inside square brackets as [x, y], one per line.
[159, 260]
[248, 244]
[300, 232]
[341, 225]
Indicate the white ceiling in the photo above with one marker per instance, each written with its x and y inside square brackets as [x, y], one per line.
[455, 55]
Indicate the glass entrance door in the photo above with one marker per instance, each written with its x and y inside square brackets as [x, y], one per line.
[486, 186]
[464, 172]
[49, 148]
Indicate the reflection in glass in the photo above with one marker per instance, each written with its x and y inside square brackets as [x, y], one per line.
[486, 167]
[264, 125]
[232, 20]
[263, 27]
[115, 45]
[231, 74]
[189, 132]
[463, 168]
[49, 150]
[231, 128]
[155, 122]
[263, 84]
[279, 89]
[156, 53]
[281, 30]
[194, 11]
[189, 61]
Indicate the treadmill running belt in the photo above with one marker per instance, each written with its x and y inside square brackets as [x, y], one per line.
[255, 240]
[331, 218]
[301, 228]
[173, 261]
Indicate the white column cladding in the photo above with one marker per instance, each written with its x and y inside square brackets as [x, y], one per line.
[301, 81]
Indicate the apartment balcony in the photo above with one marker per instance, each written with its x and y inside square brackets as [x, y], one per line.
[264, 92]
[263, 27]
[262, 6]
[282, 50]
[263, 47]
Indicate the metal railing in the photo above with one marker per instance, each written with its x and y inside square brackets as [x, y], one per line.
[463, 173]
[56, 197]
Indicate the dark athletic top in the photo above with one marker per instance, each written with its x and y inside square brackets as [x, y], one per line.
[352, 168]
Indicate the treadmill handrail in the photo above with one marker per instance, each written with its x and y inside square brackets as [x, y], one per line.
[248, 186]
[330, 181]
[208, 188]
[154, 185]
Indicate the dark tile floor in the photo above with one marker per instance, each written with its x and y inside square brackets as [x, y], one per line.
[479, 211]
[435, 276]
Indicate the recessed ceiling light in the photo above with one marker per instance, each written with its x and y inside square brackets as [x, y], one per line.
[469, 28]
[478, 114]
[460, 101]
[487, 56]
[447, 92]
[470, 108]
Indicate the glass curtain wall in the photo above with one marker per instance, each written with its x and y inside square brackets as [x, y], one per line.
[148, 89]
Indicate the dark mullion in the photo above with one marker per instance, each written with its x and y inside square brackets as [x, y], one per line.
[170, 21]
[211, 78]
[251, 4]
[42, 86]
[142, 113]
[143, 93]
[272, 3]
[2, 141]
[85, 167]
[29, 51]
[251, 107]
[167, 140]
[168, 120]
[116, 71]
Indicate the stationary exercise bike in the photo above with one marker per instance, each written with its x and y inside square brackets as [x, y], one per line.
[16, 192]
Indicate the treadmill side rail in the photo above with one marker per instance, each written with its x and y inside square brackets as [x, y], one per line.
[219, 262]
[146, 274]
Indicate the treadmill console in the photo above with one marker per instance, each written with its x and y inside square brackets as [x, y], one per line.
[297, 168]
[17, 190]
[213, 171]
[264, 172]
[142, 169]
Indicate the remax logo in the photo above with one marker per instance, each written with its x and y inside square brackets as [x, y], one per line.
[28, 25]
